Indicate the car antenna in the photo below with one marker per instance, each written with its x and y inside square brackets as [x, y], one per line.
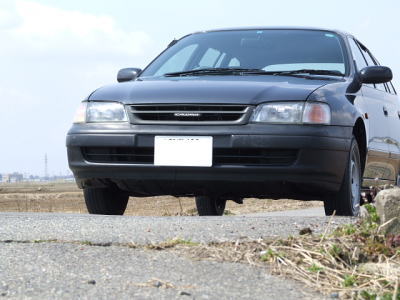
[173, 42]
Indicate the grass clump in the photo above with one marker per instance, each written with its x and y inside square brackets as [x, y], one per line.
[349, 281]
[349, 260]
[347, 229]
[373, 215]
[335, 250]
[315, 268]
[185, 242]
[268, 255]
[172, 243]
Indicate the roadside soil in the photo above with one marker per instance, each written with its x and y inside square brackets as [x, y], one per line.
[67, 198]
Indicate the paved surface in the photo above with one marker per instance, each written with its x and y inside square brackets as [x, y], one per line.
[145, 230]
[309, 212]
[67, 271]
[42, 270]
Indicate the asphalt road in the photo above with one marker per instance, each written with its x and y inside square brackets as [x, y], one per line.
[33, 266]
[309, 212]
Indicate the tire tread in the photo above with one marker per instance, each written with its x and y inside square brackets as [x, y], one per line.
[105, 201]
[206, 206]
[341, 201]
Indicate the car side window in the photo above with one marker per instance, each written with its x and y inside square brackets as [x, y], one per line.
[394, 90]
[372, 62]
[381, 87]
[388, 87]
[357, 55]
[368, 57]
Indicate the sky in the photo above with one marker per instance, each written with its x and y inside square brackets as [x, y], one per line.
[54, 53]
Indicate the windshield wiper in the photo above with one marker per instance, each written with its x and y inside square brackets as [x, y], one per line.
[309, 71]
[244, 71]
[215, 71]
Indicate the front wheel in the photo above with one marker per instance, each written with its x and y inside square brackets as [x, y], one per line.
[210, 206]
[346, 202]
[105, 201]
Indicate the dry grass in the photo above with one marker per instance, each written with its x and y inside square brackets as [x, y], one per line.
[67, 198]
[353, 262]
[315, 264]
[41, 197]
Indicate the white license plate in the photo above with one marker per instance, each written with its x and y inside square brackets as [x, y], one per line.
[188, 151]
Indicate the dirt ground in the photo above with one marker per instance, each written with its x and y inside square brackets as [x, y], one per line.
[67, 198]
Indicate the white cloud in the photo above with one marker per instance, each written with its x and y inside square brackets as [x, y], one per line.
[50, 60]
[8, 15]
[37, 29]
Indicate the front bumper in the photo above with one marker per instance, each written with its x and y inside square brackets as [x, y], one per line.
[322, 154]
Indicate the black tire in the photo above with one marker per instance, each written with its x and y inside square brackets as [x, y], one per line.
[105, 201]
[210, 206]
[346, 202]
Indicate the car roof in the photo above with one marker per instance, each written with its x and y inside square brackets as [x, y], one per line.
[275, 28]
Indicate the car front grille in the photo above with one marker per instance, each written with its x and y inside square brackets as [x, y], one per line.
[254, 156]
[137, 155]
[221, 156]
[190, 114]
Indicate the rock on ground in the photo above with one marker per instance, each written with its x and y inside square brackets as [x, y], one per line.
[388, 209]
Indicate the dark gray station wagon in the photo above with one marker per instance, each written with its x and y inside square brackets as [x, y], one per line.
[229, 114]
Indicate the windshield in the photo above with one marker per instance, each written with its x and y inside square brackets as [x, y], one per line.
[267, 50]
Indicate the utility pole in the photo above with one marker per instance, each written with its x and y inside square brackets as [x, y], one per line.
[46, 171]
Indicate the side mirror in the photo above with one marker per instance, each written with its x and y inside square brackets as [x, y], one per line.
[128, 74]
[376, 74]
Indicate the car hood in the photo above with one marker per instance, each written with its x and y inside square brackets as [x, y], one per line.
[211, 89]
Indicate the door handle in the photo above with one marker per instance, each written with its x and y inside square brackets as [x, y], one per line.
[385, 111]
[398, 113]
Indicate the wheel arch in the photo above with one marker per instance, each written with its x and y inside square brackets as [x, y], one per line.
[360, 134]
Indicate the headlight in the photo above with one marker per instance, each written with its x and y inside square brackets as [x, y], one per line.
[292, 113]
[279, 112]
[96, 112]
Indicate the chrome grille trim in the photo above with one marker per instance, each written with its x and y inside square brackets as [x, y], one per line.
[190, 114]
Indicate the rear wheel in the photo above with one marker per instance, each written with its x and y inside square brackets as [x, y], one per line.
[105, 201]
[210, 206]
[346, 202]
